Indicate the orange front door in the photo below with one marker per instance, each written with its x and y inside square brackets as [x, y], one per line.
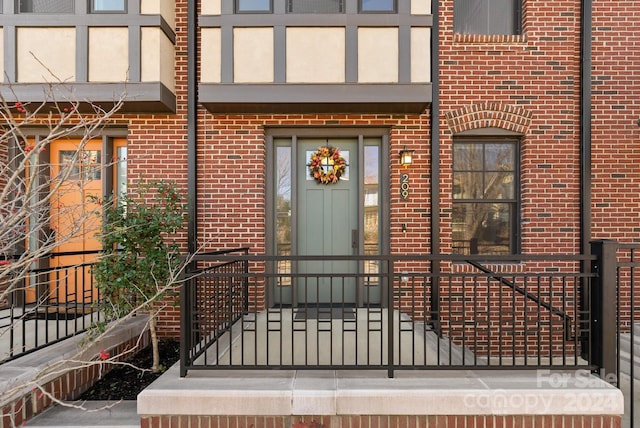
[76, 184]
[76, 217]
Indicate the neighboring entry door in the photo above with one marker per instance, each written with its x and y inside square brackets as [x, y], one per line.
[75, 217]
[327, 225]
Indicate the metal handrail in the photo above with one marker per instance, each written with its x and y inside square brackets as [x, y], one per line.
[565, 317]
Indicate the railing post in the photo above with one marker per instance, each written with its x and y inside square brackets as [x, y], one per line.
[604, 308]
[185, 319]
[390, 311]
[245, 283]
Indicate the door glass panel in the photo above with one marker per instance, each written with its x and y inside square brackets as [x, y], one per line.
[283, 210]
[85, 165]
[91, 160]
[371, 210]
[121, 172]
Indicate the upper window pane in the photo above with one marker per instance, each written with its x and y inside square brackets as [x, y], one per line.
[315, 6]
[484, 171]
[108, 6]
[253, 5]
[486, 16]
[46, 6]
[377, 5]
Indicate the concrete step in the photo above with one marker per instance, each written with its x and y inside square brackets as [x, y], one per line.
[96, 414]
[626, 341]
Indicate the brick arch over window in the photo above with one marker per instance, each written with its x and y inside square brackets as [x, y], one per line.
[489, 115]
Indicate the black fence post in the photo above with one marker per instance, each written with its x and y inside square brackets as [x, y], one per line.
[391, 275]
[604, 308]
[186, 322]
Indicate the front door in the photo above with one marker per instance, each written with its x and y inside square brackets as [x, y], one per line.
[327, 217]
[76, 182]
[327, 220]
[75, 218]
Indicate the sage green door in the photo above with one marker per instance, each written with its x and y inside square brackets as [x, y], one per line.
[327, 225]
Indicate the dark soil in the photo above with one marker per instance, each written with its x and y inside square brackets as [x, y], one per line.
[125, 382]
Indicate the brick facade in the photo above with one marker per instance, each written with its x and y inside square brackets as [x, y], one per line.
[534, 79]
[406, 421]
[525, 84]
[528, 84]
[615, 130]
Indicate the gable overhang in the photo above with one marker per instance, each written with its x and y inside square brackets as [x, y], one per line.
[152, 97]
[393, 98]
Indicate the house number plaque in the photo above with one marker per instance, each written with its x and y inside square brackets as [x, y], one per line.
[404, 186]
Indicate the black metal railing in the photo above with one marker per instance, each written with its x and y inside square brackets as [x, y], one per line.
[48, 305]
[330, 312]
[616, 320]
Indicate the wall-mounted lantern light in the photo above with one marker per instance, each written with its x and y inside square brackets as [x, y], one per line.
[406, 157]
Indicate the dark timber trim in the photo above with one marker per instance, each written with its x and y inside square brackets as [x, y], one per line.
[316, 98]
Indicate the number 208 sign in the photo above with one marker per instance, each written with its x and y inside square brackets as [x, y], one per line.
[404, 186]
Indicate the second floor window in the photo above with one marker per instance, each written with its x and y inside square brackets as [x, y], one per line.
[315, 6]
[107, 6]
[253, 5]
[45, 6]
[377, 5]
[486, 16]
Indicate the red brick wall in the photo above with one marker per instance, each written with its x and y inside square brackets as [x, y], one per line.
[615, 112]
[528, 84]
[615, 131]
[537, 72]
[231, 177]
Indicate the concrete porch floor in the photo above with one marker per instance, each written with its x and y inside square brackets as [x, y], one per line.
[290, 337]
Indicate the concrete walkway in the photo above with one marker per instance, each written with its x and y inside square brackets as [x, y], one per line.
[102, 414]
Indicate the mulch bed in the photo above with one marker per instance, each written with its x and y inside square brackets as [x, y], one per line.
[125, 383]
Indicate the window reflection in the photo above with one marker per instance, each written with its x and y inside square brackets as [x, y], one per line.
[85, 165]
[46, 6]
[371, 209]
[121, 171]
[378, 5]
[108, 6]
[283, 209]
[253, 5]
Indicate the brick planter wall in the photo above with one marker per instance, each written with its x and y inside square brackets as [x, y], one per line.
[68, 385]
